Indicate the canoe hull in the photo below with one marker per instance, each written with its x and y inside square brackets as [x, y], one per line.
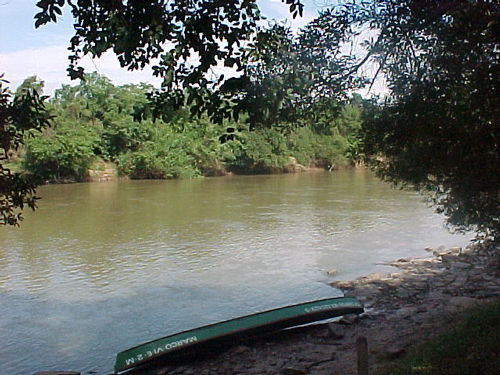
[235, 329]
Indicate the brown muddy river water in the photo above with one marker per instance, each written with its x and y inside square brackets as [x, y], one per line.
[102, 267]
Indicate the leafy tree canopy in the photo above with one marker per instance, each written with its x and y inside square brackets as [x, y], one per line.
[96, 122]
[440, 129]
[182, 39]
[294, 80]
[19, 114]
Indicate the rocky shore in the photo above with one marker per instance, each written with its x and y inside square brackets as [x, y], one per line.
[402, 309]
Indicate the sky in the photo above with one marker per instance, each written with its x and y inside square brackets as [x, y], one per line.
[26, 51]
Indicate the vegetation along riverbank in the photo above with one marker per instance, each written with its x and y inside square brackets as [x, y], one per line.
[100, 130]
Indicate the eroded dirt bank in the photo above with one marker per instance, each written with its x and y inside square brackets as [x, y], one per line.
[403, 309]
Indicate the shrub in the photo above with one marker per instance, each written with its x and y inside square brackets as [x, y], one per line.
[65, 155]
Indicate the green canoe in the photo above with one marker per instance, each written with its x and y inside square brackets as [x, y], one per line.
[230, 330]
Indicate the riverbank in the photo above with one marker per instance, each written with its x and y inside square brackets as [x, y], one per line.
[402, 310]
[103, 171]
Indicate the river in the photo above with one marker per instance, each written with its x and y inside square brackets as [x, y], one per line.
[101, 267]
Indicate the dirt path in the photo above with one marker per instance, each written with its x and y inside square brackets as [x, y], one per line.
[402, 309]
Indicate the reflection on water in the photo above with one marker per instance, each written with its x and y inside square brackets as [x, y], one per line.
[103, 267]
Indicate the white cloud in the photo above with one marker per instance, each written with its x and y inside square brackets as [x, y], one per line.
[50, 64]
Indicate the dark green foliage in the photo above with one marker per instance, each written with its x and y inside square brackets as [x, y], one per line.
[158, 161]
[64, 153]
[284, 79]
[168, 33]
[262, 150]
[469, 347]
[287, 81]
[112, 111]
[96, 119]
[20, 114]
[293, 81]
[440, 130]
[327, 151]
[270, 150]
[185, 148]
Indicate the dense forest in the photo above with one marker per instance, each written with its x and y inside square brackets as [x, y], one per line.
[96, 122]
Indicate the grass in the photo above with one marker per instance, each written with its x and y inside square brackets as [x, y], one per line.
[470, 346]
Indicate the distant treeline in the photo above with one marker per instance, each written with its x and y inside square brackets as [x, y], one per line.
[96, 121]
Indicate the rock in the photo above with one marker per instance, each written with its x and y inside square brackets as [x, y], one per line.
[405, 312]
[420, 286]
[453, 251]
[374, 276]
[240, 349]
[460, 281]
[322, 334]
[176, 370]
[310, 357]
[441, 250]
[448, 257]
[324, 368]
[332, 272]
[461, 303]
[349, 319]
[343, 284]
[337, 331]
[422, 309]
[487, 277]
[293, 371]
[394, 324]
[461, 265]
[403, 293]
[394, 353]
[57, 373]
[294, 166]
[372, 314]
